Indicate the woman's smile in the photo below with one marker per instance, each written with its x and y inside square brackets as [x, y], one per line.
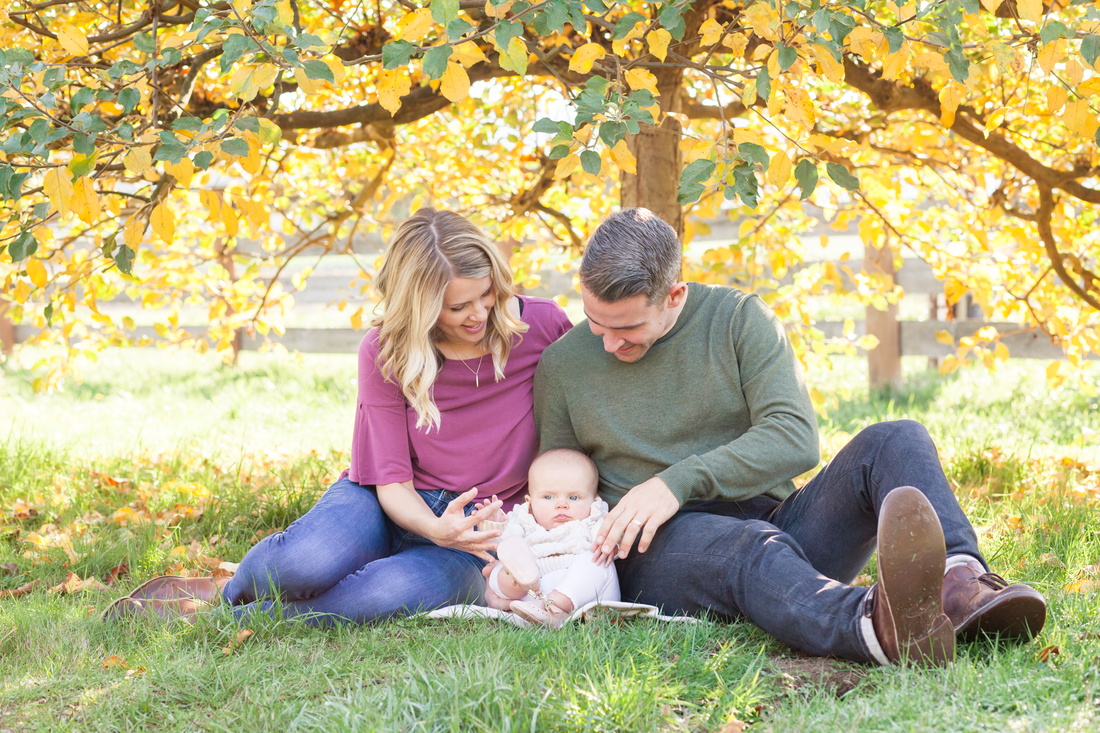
[474, 328]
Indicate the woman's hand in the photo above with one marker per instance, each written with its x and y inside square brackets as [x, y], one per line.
[455, 530]
[496, 516]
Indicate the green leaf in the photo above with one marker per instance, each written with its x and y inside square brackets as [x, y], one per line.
[85, 96]
[959, 65]
[612, 132]
[444, 11]
[24, 246]
[672, 20]
[435, 61]
[591, 162]
[144, 42]
[81, 167]
[84, 144]
[128, 99]
[191, 124]
[557, 13]
[693, 178]
[895, 37]
[233, 48]
[1052, 31]
[626, 24]
[806, 175]
[787, 56]
[235, 146]
[395, 54]
[124, 259]
[203, 159]
[457, 28]
[744, 185]
[763, 83]
[170, 152]
[506, 31]
[1090, 48]
[547, 125]
[842, 177]
[308, 40]
[317, 69]
[559, 151]
[753, 153]
[48, 313]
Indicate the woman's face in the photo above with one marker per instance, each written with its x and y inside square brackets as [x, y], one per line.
[466, 306]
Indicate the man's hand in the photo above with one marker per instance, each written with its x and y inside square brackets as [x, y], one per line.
[644, 508]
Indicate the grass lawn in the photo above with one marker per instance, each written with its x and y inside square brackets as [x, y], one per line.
[171, 463]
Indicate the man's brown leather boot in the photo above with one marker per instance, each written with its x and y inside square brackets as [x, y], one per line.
[978, 602]
[905, 606]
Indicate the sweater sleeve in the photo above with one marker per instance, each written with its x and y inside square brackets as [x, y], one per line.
[380, 452]
[782, 441]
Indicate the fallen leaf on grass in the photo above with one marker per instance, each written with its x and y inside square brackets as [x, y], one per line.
[242, 636]
[1083, 586]
[20, 591]
[210, 562]
[9, 568]
[1050, 560]
[73, 583]
[229, 567]
[113, 661]
[1049, 653]
[734, 726]
[131, 673]
[118, 571]
[22, 510]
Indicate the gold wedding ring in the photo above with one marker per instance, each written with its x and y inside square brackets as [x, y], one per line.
[635, 521]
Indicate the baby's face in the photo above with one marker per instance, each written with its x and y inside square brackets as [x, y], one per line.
[553, 503]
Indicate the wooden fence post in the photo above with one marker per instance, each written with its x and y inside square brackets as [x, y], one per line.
[883, 361]
[7, 330]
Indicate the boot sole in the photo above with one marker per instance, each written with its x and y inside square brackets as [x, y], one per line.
[1018, 616]
[177, 589]
[911, 559]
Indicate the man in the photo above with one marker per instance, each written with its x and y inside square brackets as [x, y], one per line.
[689, 400]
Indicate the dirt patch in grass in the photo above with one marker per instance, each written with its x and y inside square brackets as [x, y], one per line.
[795, 673]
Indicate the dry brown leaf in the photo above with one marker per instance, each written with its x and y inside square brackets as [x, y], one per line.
[9, 568]
[734, 726]
[1050, 560]
[241, 637]
[118, 571]
[131, 673]
[1049, 653]
[114, 661]
[73, 583]
[20, 591]
[210, 562]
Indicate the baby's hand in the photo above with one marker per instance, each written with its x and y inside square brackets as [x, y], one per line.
[498, 516]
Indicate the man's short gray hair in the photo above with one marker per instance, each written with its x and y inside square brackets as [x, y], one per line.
[634, 252]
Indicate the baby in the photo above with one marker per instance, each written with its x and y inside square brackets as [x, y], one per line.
[544, 546]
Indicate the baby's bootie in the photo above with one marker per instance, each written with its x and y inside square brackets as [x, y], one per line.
[536, 611]
[518, 572]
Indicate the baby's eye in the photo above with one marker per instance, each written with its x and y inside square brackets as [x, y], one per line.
[574, 497]
[548, 497]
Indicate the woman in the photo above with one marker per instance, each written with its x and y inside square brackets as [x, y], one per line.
[444, 419]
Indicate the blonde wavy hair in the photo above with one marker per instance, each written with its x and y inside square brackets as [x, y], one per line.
[429, 250]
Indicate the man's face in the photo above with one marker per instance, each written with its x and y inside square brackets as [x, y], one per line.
[630, 326]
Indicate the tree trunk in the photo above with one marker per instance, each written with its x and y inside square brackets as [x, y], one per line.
[657, 150]
[883, 361]
[7, 330]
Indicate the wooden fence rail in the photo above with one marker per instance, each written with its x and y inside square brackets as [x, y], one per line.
[896, 338]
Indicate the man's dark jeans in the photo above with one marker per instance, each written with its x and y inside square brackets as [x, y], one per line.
[786, 566]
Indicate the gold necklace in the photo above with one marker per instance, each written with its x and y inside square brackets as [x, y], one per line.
[476, 373]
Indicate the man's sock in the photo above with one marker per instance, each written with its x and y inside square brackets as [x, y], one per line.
[954, 561]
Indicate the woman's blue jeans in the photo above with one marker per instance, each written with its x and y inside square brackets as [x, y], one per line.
[345, 560]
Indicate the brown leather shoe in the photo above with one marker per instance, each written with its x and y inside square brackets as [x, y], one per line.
[978, 602]
[183, 609]
[176, 587]
[904, 605]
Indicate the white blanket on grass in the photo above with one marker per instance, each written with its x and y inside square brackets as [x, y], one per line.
[610, 608]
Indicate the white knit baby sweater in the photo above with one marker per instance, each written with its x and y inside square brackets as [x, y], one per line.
[554, 549]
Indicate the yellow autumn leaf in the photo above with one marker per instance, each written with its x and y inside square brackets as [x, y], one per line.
[182, 171]
[137, 160]
[779, 170]
[230, 220]
[357, 319]
[336, 66]
[1052, 369]
[1000, 351]
[567, 165]
[763, 19]
[996, 117]
[585, 56]
[85, 201]
[467, 54]
[1089, 88]
[950, 97]
[800, 108]
[1056, 98]
[829, 67]
[59, 189]
[498, 11]
[619, 46]
[894, 63]
[73, 40]
[211, 204]
[1077, 115]
[624, 158]
[455, 83]
[393, 84]
[1030, 10]
[944, 337]
[36, 271]
[133, 232]
[163, 222]
[991, 5]
[658, 41]
[307, 85]
[22, 291]
[711, 31]
[414, 25]
[642, 79]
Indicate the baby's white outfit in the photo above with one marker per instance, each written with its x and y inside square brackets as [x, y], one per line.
[563, 555]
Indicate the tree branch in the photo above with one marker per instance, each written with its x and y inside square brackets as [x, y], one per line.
[1043, 216]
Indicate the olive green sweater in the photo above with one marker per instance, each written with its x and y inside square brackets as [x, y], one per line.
[717, 407]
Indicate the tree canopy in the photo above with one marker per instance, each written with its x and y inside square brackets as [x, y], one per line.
[185, 151]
